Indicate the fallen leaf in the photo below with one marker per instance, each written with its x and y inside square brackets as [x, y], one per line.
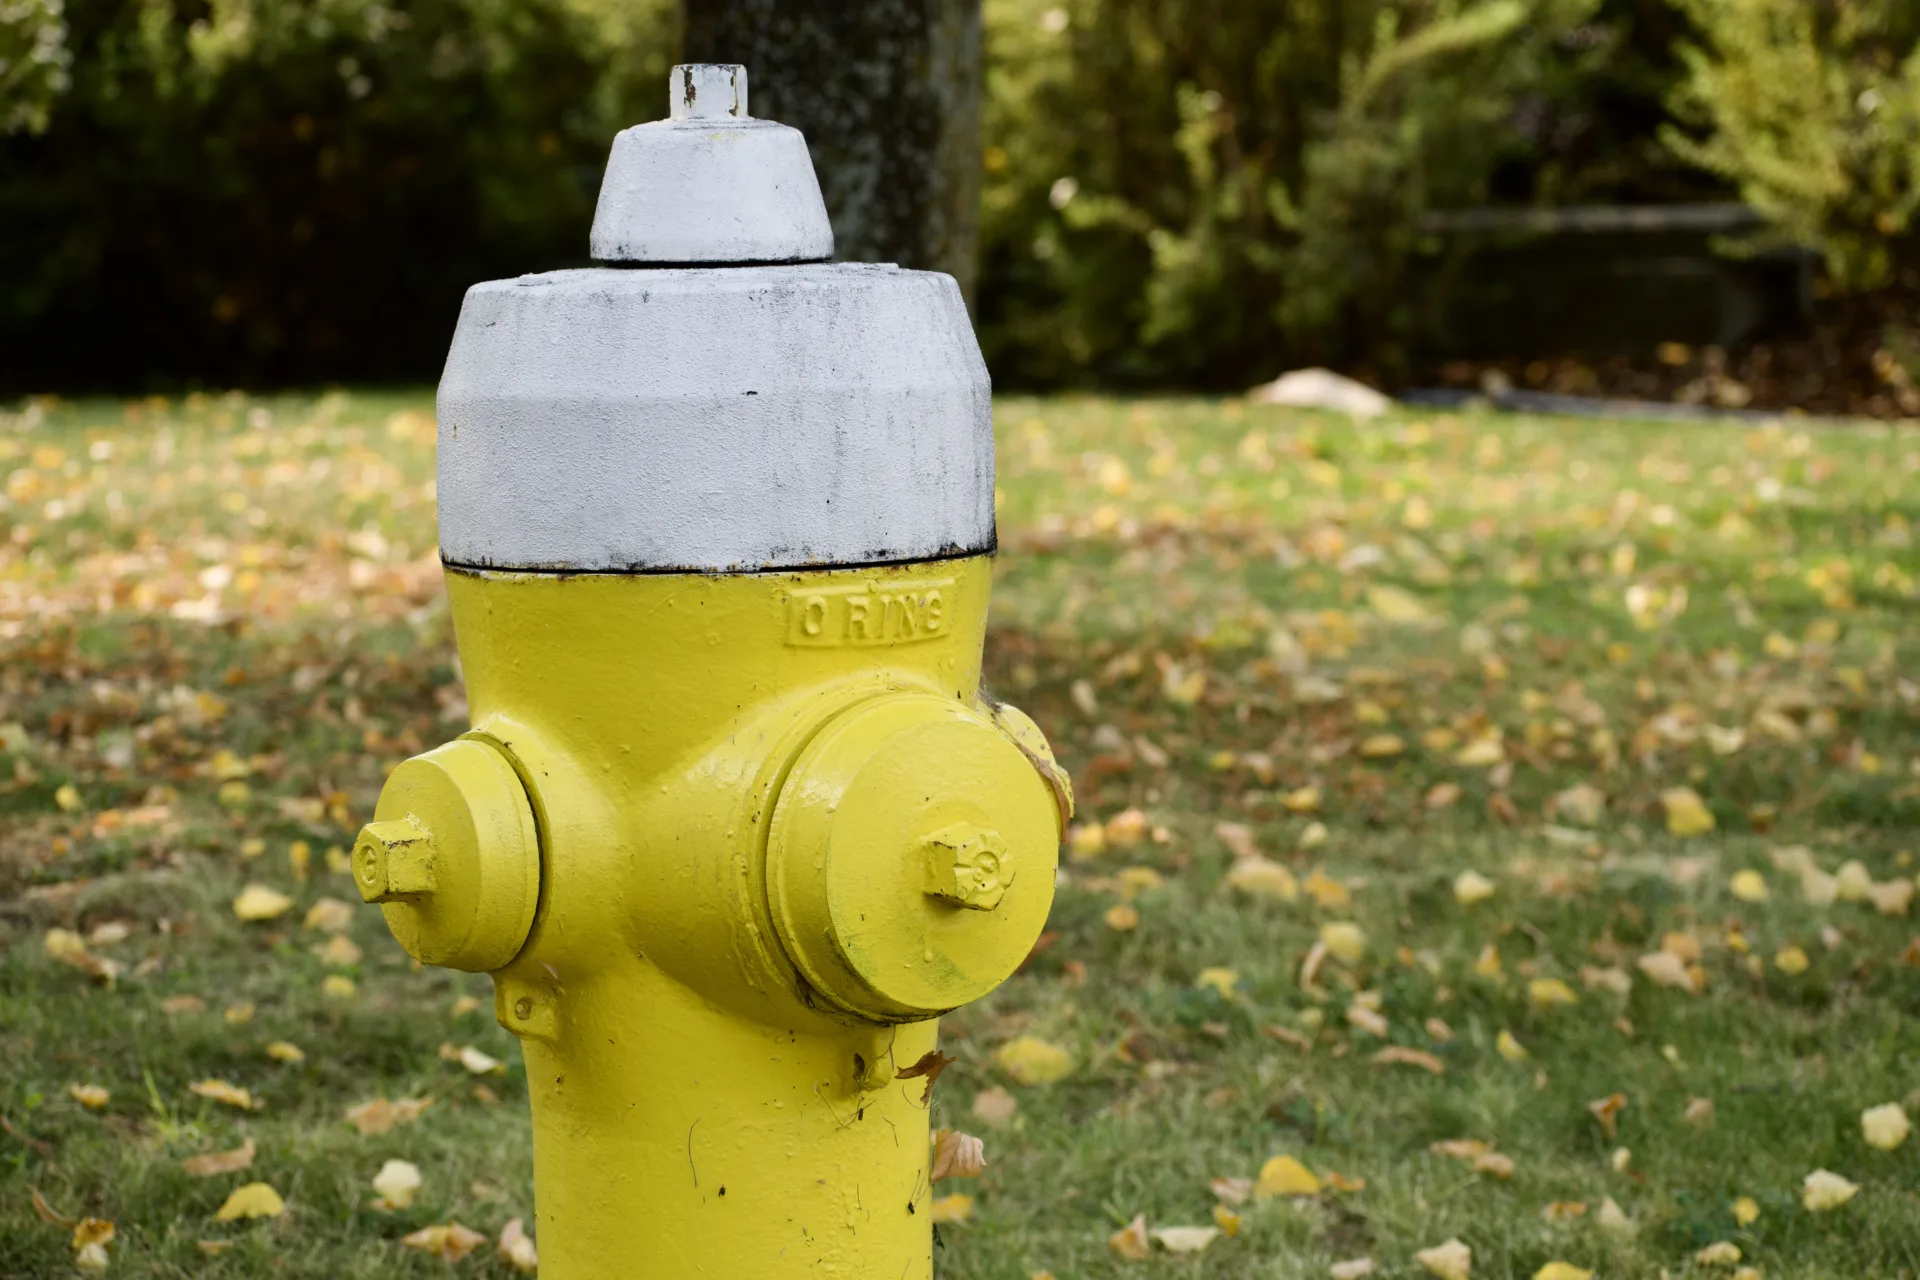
[329, 915]
[994, 1106]
[1344, 941]
[1131, 1241]
[1285, 1176]
[1185, 1239]
[91, 1258]
[338, 986]
[1367, 1019]
[1892, 898]
[340, 952]
[1487, 964]
[956, 1155]
[46, 1212]
[1612, 1217]
[1352, 1269]
[516, 1247]
[92, 1231]
[1470, 887]
[1853, 883]
[1222, 980]
[1746, 1210]
[1666, 969]
[1030, 1060]
[1235, 1191]
[1263, 878]
[211, 1163]
[478, 1063]
[1699, 1113]
[257, 902]
[1226, 1219]
[1494, 1164]
[174, 1006]
[1451, 1260]
[1885, 1127]
[1557, 1270]
[1468, 1149]
[91, 1096]
[1564, 1211]
[450, 1242]
[255, 1200]
[1721, 1253]
[1822, 1191]
[1610, 978]
[285, 1051]
[1546, 993]
[1687, 814]
[1122, 917]
[398, 1182]
[1399, 1055]
[221, 1091]
[1509, 1048]
[1748, 886]
[1607, 1111]
[1326, 892]
[1791, 960]
[378, 1116]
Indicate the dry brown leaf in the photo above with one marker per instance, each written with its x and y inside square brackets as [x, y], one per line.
[1131, 1241]
[516, 1248]
[450, 1242]
[1607, 1111]
[210, 1163]
[956, 1155]
[1400, 1055]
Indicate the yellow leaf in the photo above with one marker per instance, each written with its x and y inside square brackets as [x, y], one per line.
[1326, 891]
[398, 1182]
[1687, 814]
[1086, 840]
[1487, 965]
[1509, 1048]
[220, 1091]
[1746, 1210]
[1449, 1261]
[338, 986]
[1352, 1269]
[1285, 1176]
[1721, 1253]
[92, 1231]
[255, 1200]
[1607, 1111]
[285, 1051]
[1892, 898]
[1301, 800]
[1130, 1242]
[1470, 887]
[450, 1242]
[1853, 883]
[1557, 1270]
[516, 1248]
[378, 1116]
[1791, 960]
[1494, 1164]
[67, 797]
[1379, 746]
[1185, 1239]
[1545, 993]
[257, 902]
[90, 1096]
[1400, 1055]
[1221, 980]
[1821, 1191]
[1226, 1219]
[1483, 752]
[1749, 886]
[1344, 940]
[1122, 917]
[1030, 1060]
[1263, 878]
[1396, 605]
[213, 1163]
[1885, 1127]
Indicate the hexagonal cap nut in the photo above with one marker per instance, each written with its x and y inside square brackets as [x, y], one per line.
[393, 859]
[968, 865]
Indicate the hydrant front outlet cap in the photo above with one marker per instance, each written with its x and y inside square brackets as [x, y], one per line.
[911, 859]
[453, 857]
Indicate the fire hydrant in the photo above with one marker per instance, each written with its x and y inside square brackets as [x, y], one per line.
[734, 825]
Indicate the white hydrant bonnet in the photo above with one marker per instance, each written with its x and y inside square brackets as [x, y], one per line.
[713, 418]
[710, 184]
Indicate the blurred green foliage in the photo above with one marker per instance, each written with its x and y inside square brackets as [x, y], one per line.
[1177, 192]
[1813, 112]
[272, 191]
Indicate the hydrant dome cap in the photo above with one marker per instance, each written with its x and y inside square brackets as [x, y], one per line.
[710, 185]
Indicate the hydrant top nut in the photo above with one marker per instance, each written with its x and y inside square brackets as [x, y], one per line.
[453, 857]
[968, 865]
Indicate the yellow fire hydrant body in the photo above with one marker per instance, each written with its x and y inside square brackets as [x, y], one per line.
[734, 824]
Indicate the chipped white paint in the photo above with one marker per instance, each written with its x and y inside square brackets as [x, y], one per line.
[710, 184]
[714, 420]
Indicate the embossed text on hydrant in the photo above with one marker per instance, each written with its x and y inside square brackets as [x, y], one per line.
[870, 613]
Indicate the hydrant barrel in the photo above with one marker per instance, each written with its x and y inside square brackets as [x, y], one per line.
[735, 823]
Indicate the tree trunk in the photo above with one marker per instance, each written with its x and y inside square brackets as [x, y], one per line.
[888, 94]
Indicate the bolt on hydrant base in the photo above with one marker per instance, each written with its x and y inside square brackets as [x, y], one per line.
[735, 823]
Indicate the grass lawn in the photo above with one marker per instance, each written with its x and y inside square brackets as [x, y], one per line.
[1543, 785]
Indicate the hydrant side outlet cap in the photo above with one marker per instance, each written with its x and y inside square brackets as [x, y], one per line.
[714, 421]
[710, 184]
[453, 857]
